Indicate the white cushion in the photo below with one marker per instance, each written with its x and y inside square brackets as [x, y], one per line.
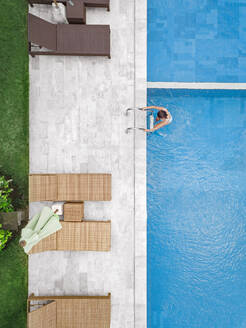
[59, 13]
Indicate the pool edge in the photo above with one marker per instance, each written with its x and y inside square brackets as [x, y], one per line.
[140, 151]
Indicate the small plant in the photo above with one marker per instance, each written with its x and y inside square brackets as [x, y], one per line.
[4, 237]
[5, 200]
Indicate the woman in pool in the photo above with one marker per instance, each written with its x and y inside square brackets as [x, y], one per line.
[163, 116]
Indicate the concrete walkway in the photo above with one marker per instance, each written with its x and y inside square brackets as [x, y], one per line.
[77, 125]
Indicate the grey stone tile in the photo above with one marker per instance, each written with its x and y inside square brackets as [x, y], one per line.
[77, 124]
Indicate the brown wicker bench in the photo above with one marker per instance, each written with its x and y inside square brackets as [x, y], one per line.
[69, 187]
[67, 39]
[69, 311]
[78, 236]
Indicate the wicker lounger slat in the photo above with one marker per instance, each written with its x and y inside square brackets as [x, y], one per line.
[32, 297]
[42, 188]
[94, 313]
[44, 317]
[86, 236]
[46, 244]
[70, 187]
[71, 312]
[73, 187]
[78, 236]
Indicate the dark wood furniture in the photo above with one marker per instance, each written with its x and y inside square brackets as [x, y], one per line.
[97, 4]
[67, 39]
[44, 2]
[76, 14]
[87, 3]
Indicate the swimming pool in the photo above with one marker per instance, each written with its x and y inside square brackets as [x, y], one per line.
[197, 41]
[196, 171]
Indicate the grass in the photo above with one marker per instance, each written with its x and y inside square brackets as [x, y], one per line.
[13, 286]
[14, 84]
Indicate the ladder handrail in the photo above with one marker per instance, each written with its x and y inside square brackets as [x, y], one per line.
[136, 108]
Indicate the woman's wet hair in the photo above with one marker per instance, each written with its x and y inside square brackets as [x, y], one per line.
[162, 114]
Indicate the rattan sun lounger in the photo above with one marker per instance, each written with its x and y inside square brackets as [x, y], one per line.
[78, 236]
[67, 39]
[69, 187]
[69, 311]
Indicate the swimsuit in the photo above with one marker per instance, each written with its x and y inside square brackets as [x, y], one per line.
[170, 119]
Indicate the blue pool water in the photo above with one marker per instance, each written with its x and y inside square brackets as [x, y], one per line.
[197, 211]
[197, 40]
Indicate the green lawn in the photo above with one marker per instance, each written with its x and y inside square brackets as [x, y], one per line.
[13, 286]
[14, 84]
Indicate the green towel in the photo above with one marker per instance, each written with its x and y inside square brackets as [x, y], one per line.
[40, 226]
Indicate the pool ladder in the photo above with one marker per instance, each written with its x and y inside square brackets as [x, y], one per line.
[133, 109]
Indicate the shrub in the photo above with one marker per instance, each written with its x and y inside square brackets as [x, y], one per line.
[5, 200]
[4, 237]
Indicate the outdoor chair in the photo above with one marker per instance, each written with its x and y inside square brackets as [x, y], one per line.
[78, 236]
[69, 187]
[69, 311]
[45, 2]
[87, 3]
[67, 39]
[76, 14]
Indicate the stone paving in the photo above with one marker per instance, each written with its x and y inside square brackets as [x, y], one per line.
[77, 125]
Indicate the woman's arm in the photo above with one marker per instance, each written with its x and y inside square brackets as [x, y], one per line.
[154, 107]
[157, 127]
